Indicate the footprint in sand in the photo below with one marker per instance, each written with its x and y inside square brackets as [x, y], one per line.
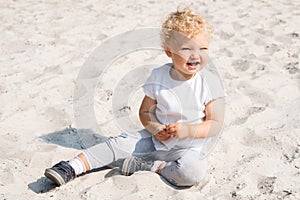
[251, 111]
[57, 116]
[285, 39]
[53, 69]
[271, 49]
[266, 185]
[258, 70]
[294, 35]
[292, 67]
[241, 65]
[260, 42]
[7, 175]
[224, 35]
[265, 32]
[237, 26]
[254, 110]
[238, 42]
[249, 138]
[239, 121]
[226, 52]
[257, 97]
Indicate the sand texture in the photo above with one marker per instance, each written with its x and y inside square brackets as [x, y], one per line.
[44, 45]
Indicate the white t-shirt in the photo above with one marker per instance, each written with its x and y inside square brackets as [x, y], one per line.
[181, 101]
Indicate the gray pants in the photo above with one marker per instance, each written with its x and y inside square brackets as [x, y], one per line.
[185, 167]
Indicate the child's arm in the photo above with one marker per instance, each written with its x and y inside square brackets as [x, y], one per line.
[212, 125]
[149, 120]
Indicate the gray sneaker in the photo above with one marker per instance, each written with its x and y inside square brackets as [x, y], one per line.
[134, 164]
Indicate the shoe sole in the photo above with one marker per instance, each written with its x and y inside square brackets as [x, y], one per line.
[54, 176]
[125, 167]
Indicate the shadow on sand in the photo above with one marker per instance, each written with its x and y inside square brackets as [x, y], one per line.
[76, 139]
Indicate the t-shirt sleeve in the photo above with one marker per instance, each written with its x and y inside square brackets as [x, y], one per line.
[149, 86]
[212, 86]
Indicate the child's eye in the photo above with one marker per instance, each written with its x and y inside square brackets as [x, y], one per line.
[185, 49]
[203, 48]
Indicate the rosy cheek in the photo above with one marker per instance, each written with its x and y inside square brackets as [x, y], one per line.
[181, 58]
[204, 60]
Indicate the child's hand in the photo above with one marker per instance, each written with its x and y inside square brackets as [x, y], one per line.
[155, 128]
[178, 130]
[162, 136]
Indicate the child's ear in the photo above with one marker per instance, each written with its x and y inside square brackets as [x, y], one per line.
[167, 51]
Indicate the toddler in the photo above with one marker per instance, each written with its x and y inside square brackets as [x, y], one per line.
[181, 109]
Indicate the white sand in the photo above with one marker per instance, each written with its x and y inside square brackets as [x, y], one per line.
[44, 45]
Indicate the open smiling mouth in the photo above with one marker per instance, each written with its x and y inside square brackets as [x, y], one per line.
[193, 65]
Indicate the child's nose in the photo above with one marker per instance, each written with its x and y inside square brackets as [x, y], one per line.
[194, 54]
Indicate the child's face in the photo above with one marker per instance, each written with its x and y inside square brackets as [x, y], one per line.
[188, 54]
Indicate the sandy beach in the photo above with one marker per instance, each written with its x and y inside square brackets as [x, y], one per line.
[45, 45]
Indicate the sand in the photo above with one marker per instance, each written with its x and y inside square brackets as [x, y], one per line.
[44, 45]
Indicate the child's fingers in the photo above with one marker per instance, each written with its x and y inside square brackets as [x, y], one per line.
[172, 125]
[162, 136]
[160, 128]
[172, 129]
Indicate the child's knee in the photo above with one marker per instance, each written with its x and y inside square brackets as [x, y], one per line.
[186, 173]
[192, 173]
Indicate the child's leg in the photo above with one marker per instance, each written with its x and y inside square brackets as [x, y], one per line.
[187, 170]
[115, 148]
[182, 167]
[120, 147]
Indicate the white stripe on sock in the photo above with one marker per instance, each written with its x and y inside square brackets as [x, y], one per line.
[77, 165]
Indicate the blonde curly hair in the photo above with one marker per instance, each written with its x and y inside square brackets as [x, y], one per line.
[186, 22]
